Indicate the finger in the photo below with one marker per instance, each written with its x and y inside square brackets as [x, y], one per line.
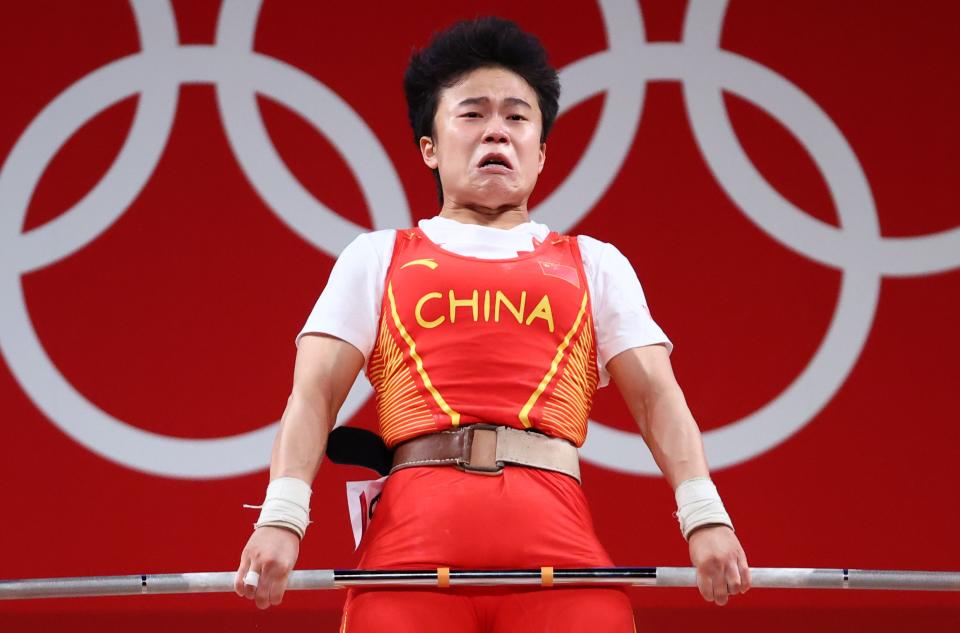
[251, 580]
[262, 597]
[705, 586]
[241, 572]
[744, 573]
[278, 588]
[719, 589]
[733, 580]
[250, 584]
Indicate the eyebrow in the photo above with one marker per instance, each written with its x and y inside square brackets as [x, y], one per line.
[485, 100]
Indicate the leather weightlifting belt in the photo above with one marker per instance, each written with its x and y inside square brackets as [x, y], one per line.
[486, 449]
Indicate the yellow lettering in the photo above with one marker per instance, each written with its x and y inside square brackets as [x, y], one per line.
[517, 314]
[542, 311]
[455, 303]
[419, 314]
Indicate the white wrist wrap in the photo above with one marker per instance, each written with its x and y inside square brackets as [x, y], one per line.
[286, 505]
[699, 504]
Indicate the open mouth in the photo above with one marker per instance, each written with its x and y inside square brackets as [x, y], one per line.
[494, 160]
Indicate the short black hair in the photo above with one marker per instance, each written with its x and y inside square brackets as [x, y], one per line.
[487, 42]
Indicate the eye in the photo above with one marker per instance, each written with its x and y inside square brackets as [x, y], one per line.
[471, 115]
[517, 117]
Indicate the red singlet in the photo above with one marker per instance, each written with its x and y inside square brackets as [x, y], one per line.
[503, 341]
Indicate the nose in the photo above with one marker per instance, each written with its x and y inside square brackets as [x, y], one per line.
[496, 133]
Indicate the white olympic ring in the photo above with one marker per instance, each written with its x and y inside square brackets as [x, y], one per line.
[621, 72]
[156, 73]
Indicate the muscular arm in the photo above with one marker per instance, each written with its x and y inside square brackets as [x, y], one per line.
[645, 378]
[646, 381]
[325, 370]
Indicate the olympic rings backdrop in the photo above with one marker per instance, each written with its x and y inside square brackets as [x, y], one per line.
[176, 179]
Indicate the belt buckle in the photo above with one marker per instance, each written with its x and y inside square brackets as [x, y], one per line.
[480, 450]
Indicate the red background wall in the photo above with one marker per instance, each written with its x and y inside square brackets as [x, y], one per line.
[179, 318]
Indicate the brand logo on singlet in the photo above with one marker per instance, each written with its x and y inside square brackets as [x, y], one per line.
[436, 308]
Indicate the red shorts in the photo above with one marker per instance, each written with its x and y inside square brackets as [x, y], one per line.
[442, 517]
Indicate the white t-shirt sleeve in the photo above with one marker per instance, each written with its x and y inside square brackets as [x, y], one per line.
[349, 307]
[621, 318]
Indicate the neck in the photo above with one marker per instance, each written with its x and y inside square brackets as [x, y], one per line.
[505, 217]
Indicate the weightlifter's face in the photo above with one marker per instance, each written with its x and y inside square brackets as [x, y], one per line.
[486, 141]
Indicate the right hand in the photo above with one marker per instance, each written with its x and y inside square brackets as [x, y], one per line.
[722, 569]
[272, 553]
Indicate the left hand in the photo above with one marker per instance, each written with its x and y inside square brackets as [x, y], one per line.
[721, 564]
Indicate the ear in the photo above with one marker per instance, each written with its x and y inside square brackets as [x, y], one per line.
[543, 157]
[428, 150]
